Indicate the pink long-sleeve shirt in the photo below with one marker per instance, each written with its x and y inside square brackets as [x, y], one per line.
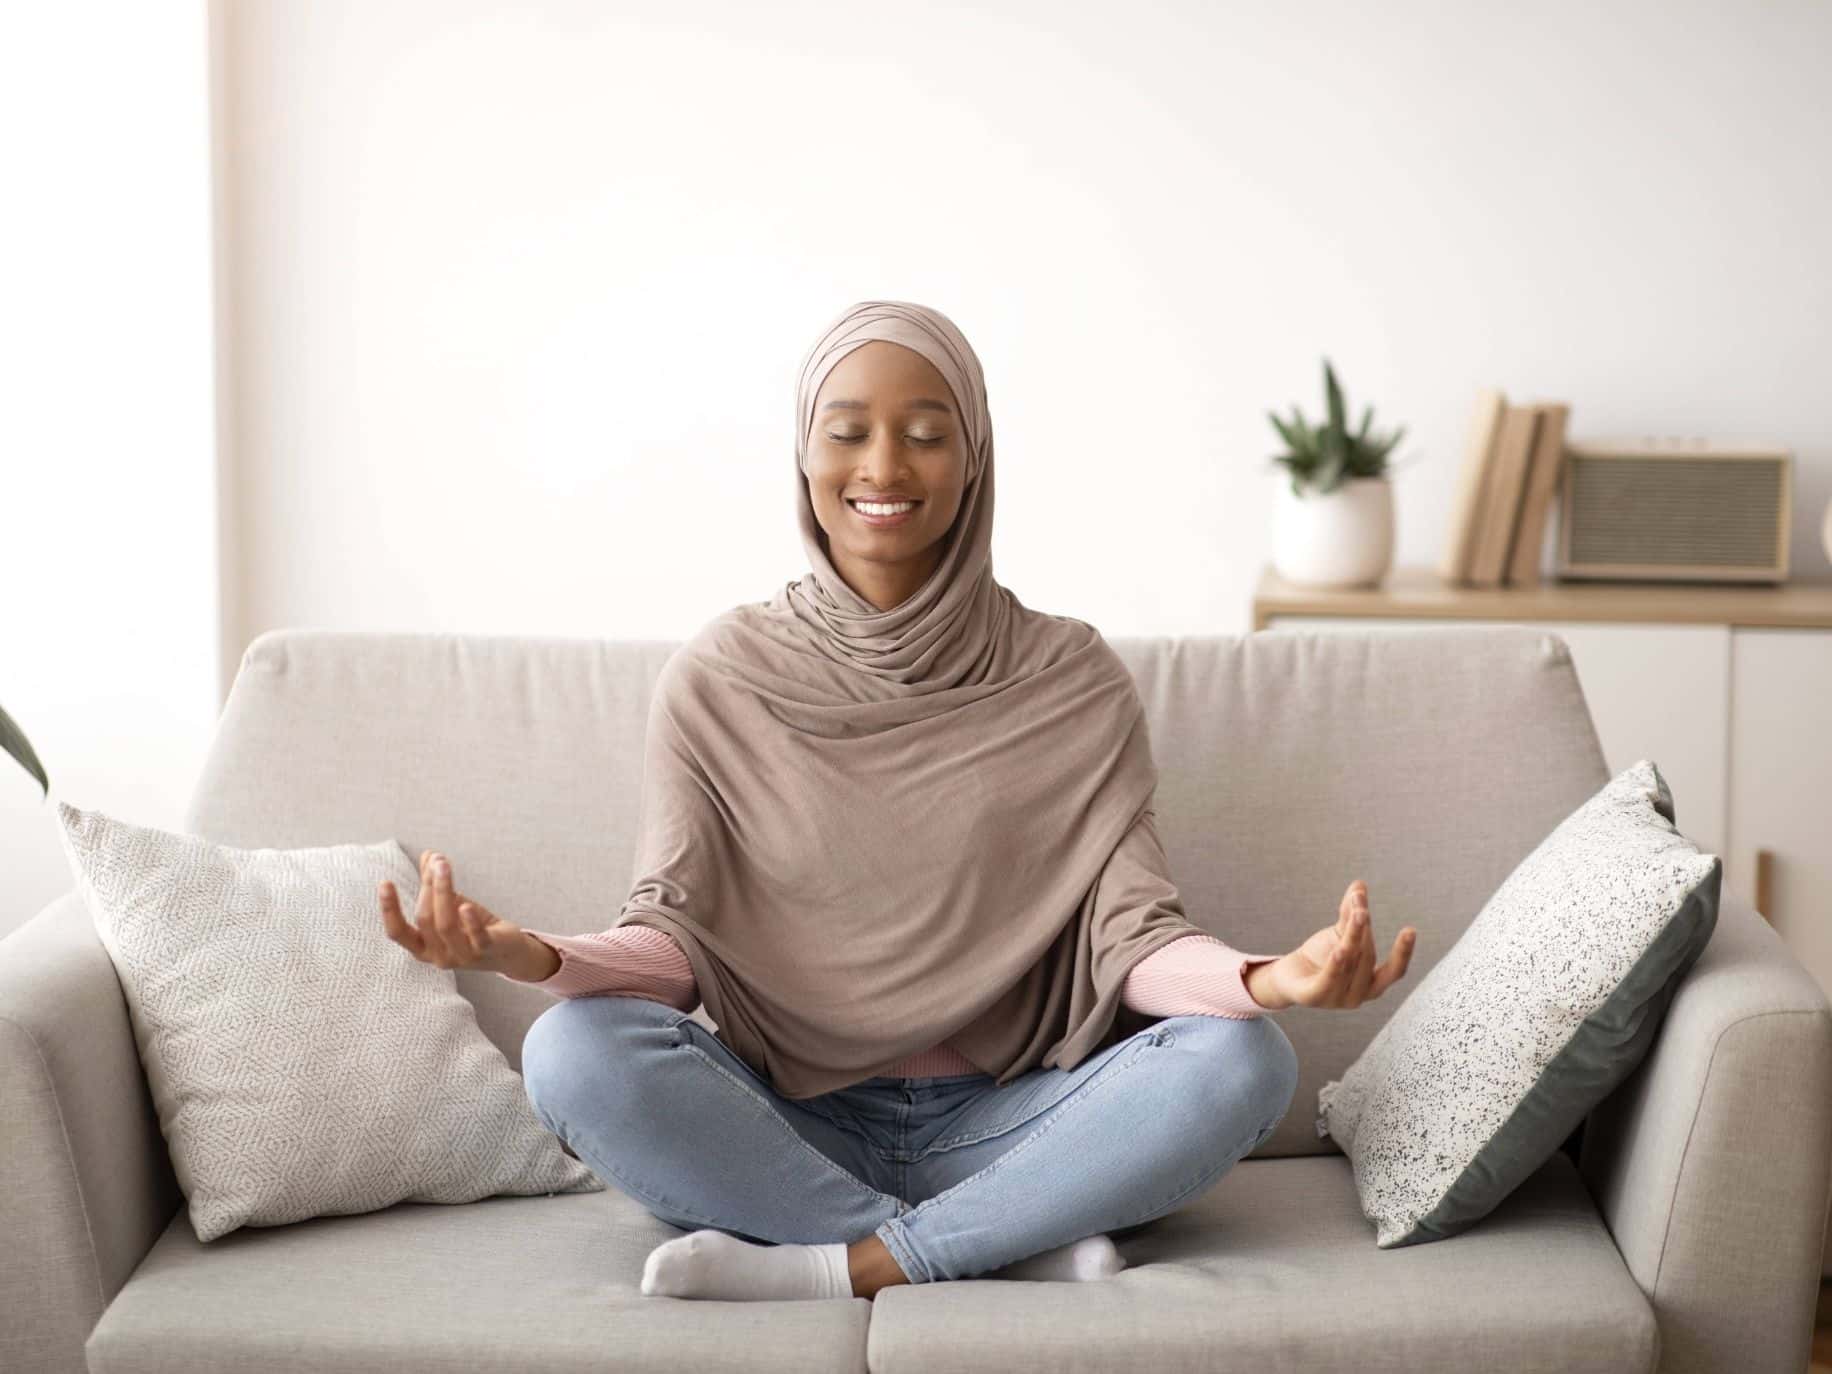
[1195, 974]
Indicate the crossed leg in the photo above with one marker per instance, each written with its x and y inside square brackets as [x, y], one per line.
[651, 1100]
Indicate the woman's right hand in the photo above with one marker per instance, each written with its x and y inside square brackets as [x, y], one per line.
[448, 929]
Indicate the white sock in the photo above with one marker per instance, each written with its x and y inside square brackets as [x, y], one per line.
[1081, 1261]
[712, 1264]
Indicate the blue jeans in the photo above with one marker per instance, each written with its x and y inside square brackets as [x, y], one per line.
[955, 1174]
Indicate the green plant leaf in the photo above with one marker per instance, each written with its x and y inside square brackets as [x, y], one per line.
[13, 740]
[1283, 429]
[1334, 393]
[1307, 437]
[1298, 465]
[1335, 458]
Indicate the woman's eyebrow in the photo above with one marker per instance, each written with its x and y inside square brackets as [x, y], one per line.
[921, 403]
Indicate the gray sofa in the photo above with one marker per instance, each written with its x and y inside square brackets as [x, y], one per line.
[1680, 1229]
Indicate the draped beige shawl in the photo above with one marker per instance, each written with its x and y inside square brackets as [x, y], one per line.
[872, 831]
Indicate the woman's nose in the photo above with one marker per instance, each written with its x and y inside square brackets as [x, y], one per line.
[882, 462]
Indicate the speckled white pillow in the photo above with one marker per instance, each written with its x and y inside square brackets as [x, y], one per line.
[302, 1064]
[1548, 1001]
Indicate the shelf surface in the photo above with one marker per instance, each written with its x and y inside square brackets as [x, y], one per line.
[1418, 592]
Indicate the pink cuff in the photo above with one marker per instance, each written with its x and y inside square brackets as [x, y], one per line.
[1194, 975]
[631, 961]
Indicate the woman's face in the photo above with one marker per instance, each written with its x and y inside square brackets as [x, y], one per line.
[885, 430]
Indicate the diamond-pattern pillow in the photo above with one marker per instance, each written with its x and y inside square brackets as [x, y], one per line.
[1547, 1002]
[302, 1064]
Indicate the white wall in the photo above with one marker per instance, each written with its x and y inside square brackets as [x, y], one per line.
[512, 297]
[108, 549]
[521, 288]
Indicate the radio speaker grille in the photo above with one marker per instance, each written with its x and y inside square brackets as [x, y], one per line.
[1710, 512]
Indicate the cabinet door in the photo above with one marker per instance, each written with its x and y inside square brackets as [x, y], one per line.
[1780, 769]
[1657, 692]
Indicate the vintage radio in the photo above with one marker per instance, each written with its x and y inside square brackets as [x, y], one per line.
[1674, 509]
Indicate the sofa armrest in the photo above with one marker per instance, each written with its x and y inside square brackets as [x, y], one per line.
[88, 1182]
[1711, 1162]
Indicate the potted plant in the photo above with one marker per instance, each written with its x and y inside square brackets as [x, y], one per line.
[1334, 523]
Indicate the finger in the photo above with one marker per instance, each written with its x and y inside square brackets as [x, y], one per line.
[1365, 954]
[1353, 900]
[1343, 973]
[1344, 909]
[1332, 978]
[395, 923]
[445, 910]
[1394, 967]
[425, 919]
[423, 900]
[1396, 962]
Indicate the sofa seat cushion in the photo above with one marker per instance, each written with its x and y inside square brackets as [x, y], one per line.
[1275, 1268]
[507, 1283]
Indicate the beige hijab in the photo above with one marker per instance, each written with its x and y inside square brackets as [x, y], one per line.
[872, 831]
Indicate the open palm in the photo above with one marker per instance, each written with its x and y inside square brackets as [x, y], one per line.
[1336, 967]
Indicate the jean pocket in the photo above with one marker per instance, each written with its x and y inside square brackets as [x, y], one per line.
[690, 1034]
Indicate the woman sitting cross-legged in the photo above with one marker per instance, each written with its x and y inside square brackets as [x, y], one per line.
[897, 834]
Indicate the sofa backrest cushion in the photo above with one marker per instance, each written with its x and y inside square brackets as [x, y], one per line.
[1426, 761]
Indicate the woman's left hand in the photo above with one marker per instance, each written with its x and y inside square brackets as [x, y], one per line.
[1336, 966]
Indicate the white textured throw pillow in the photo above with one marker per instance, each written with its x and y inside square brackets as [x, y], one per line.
[1548, 1001]
[302, 1064]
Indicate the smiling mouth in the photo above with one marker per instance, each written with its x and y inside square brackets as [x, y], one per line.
[895, 518]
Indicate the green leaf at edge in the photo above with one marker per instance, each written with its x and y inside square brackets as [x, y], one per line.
[1284, 431]
[13, 740]
[1334, 391]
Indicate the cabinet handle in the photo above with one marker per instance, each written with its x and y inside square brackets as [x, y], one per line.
[1765, 883]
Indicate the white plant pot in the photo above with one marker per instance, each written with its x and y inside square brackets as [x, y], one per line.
[1342, 538]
